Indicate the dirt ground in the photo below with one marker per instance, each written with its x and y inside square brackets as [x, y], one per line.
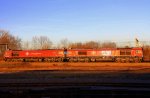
[8, 67]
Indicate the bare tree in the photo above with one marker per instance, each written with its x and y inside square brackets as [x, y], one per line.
[108, 45]
[13, 42]
[91, 45]
[77, 45]
[41, 42]
[64, 43]
[35, 42]
[26, 45]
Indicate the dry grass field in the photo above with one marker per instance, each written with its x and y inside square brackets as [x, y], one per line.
[8, 67]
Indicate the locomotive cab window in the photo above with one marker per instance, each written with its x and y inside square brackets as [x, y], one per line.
[82, 53]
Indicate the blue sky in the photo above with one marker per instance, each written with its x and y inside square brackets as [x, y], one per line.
[77, 20]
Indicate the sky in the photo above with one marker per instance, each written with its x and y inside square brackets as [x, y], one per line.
[77, 20]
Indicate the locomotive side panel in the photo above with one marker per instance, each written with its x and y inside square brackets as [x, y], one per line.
[44, 55]
[72, 53]
[75, 55]
[116, 52]
[35, 55]
[88, 55]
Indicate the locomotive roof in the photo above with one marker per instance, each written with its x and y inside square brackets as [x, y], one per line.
[83, 49]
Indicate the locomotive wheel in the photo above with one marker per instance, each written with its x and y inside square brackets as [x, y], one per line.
[123, 60]
[81, 59]
[56, 59]
[75, 60]
[41, 60]
[136, 60]
[118, 60]
[51, 60]
[131, 60]
[71, 60]
[127, 60]
[87, 60]
[93, 60]
[5, 59]
[59, 60]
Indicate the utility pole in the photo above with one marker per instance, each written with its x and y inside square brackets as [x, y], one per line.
[137, 42]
